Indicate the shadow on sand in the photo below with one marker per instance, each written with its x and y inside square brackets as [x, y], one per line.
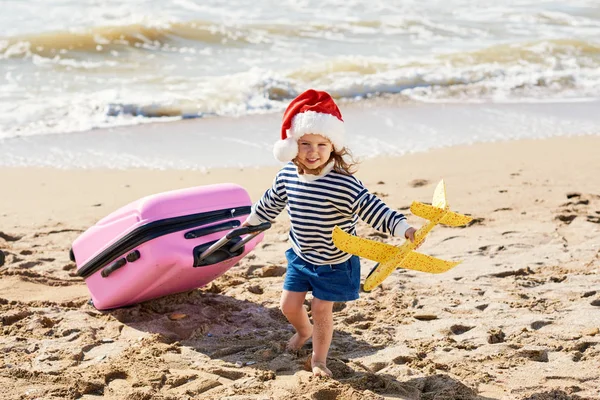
[245, 334]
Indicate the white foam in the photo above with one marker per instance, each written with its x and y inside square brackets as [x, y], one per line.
[248, 141]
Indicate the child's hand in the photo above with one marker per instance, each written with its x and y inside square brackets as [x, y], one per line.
[410, 234]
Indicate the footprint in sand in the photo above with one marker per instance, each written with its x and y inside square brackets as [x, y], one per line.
[537, 325]
[593, 218]
[534, 354]
[29, 264]
[492, 250]
[255, 289]
[115, 374]
[14, 316]
[476, 221]
[519, 272]
[418, 183]
[270, 271]
[459, 329]
[358, 317]
[496, 335]
[9, 238]
[380, 194]
[575, 200]
[450, 238]
[566, 218]
[573, 208]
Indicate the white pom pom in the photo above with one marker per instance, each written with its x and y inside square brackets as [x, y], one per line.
[285, 150]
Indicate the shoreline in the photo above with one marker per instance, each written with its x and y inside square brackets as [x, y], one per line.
[375, 128]
[517, 319]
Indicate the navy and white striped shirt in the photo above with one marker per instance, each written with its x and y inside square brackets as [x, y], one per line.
[316, 204]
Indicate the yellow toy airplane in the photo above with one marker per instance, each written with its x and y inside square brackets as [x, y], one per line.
[391, 257]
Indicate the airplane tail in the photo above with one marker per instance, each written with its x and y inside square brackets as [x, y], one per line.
[439, 196]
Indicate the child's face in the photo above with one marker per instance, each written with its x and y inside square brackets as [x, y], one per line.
[314, 150]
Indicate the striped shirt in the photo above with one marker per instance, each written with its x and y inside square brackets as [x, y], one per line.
[316, 206]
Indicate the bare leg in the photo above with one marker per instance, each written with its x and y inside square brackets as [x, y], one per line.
[292, 306]
[322, 313]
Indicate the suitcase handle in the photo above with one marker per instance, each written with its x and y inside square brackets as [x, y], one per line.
[244, 230]
[255, 230]
[251, 231]
[113, 267]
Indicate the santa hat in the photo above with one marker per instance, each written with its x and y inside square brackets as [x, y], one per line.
[311, 112]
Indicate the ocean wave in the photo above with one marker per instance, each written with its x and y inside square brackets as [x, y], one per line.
[538, 52]
[541, 70]
[107, 39]
[163, 36]
[196, 34]
[559, 68]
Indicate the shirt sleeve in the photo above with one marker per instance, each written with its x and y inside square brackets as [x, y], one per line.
[270, 205]
[379, 215]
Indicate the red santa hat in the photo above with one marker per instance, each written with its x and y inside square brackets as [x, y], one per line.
[311, 112]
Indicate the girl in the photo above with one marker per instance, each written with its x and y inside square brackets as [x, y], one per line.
[319, 191]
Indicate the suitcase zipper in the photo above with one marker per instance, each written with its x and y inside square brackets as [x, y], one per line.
[153, 230]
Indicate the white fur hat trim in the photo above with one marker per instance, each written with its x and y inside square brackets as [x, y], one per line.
[326, 125]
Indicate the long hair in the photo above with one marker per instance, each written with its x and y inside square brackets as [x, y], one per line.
[343, 163]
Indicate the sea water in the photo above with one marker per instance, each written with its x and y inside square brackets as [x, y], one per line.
[68, 68]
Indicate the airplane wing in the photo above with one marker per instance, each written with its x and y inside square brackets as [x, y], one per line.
[455, 219]
[413, 260]
[424, 263]
[425, 210]
[431, 212]
[365, 248]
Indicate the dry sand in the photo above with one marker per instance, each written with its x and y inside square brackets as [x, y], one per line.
[518, 319]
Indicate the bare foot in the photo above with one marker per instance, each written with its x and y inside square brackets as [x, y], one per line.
[319, 369]
[296, 342]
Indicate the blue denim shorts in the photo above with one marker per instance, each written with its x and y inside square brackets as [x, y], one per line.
[331, 282]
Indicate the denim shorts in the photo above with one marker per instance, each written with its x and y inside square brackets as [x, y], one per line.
[331, 282]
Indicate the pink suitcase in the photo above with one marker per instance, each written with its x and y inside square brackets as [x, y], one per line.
[165, 243]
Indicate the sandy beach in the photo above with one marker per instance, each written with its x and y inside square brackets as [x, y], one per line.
[518, 319]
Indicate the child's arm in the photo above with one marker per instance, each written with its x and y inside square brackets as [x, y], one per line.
[380, 216]
[270, 204]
